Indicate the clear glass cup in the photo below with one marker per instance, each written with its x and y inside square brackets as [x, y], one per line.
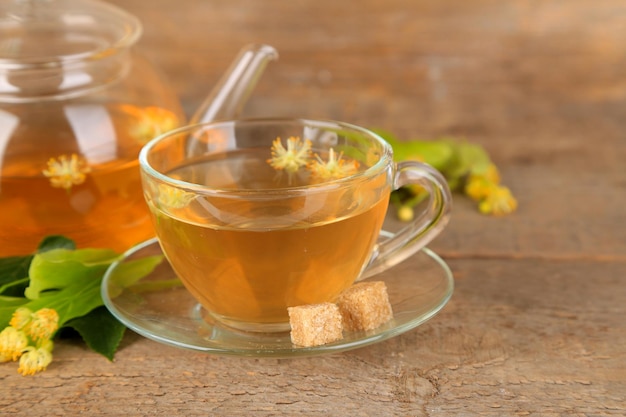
[256, 216]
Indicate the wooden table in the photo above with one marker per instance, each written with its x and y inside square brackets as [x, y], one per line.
[536, 324]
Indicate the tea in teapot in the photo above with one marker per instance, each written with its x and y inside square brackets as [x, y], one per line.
[76, 106]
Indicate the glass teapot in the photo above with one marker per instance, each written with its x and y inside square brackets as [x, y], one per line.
[76, 106]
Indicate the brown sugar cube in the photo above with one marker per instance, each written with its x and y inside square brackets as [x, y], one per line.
[315, 324]
[365, 306]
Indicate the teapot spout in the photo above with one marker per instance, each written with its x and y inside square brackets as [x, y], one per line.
[232, 91]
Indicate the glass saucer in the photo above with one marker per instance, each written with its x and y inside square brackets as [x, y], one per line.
[159, 308]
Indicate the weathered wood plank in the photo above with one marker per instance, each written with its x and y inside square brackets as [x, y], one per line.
[535, 327]
[520, 337]
[451, 66]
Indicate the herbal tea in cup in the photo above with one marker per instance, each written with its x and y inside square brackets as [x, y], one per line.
[256, 216]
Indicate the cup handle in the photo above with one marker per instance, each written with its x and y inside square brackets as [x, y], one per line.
[424, 227]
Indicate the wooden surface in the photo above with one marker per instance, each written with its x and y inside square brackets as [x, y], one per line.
[536, 325]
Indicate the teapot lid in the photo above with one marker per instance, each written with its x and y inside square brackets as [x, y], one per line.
[43, 30]
[40, 38]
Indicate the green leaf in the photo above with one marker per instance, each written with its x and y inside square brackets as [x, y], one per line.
[128, 273]
[55, 242]
[13, 268]
[58, 268]
[11, 301]
[99, 330]
[75, 300]
[82, 294]
[468, 158]
[477, 157]
[15, 288]
[68, 280]
[437, 153]
[7, 308]
[13, 277]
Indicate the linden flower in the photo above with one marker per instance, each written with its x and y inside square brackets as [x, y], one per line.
[335, 168]
[35, 359]
[492, 198]
[43, 324]
[291, 159]
[479, 186]
[12, 344]
[492, 174]
[150, 122]
[21, 318]
[171, 197]
[405, 213]
[25, 328]
[498, 202]
[65, 172]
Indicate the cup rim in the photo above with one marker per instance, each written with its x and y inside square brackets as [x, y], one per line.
[385, 160]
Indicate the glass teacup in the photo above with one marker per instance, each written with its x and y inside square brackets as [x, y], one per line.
[256, 216]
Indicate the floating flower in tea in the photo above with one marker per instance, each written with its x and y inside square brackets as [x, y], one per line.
[65, 172]
[298, 154]
[291, 159]
[151, 122]
[335, 168]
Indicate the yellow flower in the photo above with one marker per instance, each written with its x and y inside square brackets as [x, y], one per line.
[492, 198]
[171, 197]
[46, 344]
[492, 174]
[21, 318]
[478, 186]
[35, 360]
[499, 201]
[65, 172]
[291, 159]
[14, 340]
[44, 323]
[335, 168]
[12, 344]
[405, 213]
[150, 122]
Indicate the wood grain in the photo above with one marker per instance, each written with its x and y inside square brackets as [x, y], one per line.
[536, 325]
[521, 337]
